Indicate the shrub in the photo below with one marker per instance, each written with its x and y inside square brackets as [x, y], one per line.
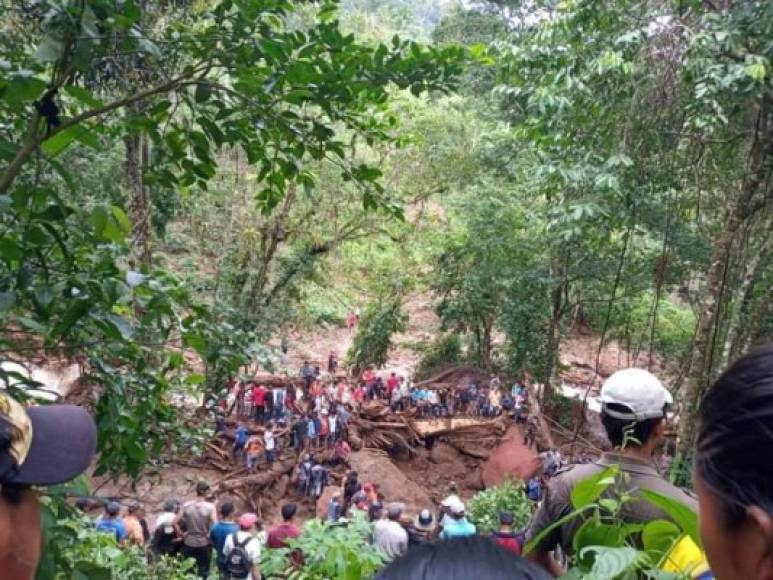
[508, 496]
[444, 350]
[329, 551]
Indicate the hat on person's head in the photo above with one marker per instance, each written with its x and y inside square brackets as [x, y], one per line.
[113, 508]
[450, 500]
[44, 444]
[424, 521]
[246, 521]
[395, 510]
[202, 487]
[506, 518]
[456, 507]
[637, 390]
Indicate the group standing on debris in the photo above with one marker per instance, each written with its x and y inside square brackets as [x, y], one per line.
[312, 412]
[731, 478]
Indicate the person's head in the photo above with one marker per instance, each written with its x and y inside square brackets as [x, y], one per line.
[456, 508]
[202, 488]
[171, 505]
[506, 519]
[424, 521]
[633, 412]
[288, 511]
[226, 510]
[247, 522]
[395, 511]
[112, 509]
[733, 471]
[39, 445]
[306, 363]
[461, 559]
[134, 508]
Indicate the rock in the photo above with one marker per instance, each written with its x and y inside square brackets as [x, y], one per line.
[377, 467]
[324, 499]
[510, 458]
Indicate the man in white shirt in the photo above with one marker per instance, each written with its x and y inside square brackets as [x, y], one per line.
[269, 443]
[249, 545]
[389, 536]
[333, 429]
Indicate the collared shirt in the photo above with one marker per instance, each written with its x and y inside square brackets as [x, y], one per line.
[635, 474]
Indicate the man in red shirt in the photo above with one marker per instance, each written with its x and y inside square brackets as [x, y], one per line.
[505, 536]
[259, 403]
[392, 383]
[287, 530]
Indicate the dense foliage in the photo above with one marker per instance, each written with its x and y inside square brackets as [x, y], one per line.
[329, 551]
[509, 496]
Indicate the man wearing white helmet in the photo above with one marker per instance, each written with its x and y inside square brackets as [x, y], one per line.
[634, 404]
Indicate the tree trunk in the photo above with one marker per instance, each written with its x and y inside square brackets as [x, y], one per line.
[558, 273]
[750, 199]
[743, 294]
[139, 200]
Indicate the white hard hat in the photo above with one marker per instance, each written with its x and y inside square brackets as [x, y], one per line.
[638, 390]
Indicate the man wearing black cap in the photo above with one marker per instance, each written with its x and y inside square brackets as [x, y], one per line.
[41, 445]
[505, 536]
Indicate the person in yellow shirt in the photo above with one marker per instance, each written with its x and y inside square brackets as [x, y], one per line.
[133, 523]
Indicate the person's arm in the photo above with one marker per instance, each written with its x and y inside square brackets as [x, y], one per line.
[256, 570]
[549, 511]
[546, 561]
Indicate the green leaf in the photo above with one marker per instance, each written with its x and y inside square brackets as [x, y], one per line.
[658, 536]
[53, 146]
[594, 533]
[557, 524]
[82, 95]
[203, 92]
[22, 89]
[122, 325]
[121, 219]
[682, 515]
[611, 562]
[50, 49]
[195, 379]
[589, 489]
[175, 360]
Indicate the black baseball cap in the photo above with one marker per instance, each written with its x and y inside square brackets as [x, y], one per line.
[45, 444]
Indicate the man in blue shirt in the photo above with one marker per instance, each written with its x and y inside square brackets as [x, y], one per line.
[456, 524]
[111, 522]
[240, 442]
[221, 530]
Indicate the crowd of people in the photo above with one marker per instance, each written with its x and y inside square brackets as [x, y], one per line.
[212, 534]
[53, 444]
[312, 412]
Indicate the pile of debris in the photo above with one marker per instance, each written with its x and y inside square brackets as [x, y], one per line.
[400, 432]
[378, 427]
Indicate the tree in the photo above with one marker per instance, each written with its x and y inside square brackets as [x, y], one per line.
[239, 75]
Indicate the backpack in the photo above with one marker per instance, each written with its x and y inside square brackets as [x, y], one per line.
[237, 563]
[163, 540]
